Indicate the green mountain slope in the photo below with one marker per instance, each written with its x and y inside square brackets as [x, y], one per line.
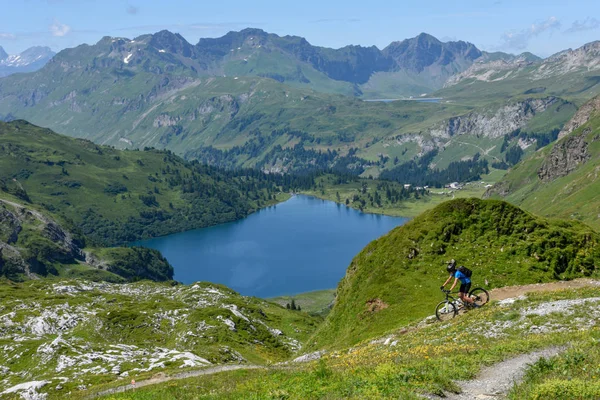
[112, 196]
[561, 180]
[396, 278]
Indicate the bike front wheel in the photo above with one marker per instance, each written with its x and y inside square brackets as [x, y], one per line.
[480, 296]
[445, 311]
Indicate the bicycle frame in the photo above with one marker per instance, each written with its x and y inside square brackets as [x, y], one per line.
[458, 303]
[453, 300]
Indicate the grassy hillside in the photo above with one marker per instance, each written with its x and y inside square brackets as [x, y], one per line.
[73, 334]
[430, 360]
[571, 190]
[396, 278]
[112, 196]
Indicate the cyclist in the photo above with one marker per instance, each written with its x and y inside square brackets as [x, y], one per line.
[465, 283]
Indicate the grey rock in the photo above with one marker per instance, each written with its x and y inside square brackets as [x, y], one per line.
[493, 125]
[565, 157]
[581, 117]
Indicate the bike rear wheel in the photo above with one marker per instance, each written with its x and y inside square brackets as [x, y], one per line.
[445, 311]
[480, 296]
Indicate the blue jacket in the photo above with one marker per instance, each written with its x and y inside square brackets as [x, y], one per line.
[462, 277]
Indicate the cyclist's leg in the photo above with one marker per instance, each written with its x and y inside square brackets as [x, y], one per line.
[463, 293]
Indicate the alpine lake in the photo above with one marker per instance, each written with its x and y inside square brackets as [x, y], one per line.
[300, 245]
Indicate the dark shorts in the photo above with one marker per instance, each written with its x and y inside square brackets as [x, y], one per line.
[465, 287]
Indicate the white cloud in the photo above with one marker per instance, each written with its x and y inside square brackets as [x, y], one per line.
[7, 36]
[520, 39]
[588, 24]
[58, 29]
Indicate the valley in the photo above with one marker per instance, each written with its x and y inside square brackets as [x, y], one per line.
[256, 216]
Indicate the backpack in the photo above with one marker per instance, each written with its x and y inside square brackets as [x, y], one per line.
[465, 271]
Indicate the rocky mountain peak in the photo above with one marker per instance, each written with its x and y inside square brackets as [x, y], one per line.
[527, 56]
[591, 49]
[29, 60]
[234, 39]
[425, 38]
[172, 43]
[424, 50]
[253, 32]
[586, 57]
[37, 52]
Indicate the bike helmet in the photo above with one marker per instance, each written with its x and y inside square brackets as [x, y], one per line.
[451, 267]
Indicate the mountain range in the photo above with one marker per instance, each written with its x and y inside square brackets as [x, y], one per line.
[416, 65]
[254, 99]
[29, 60]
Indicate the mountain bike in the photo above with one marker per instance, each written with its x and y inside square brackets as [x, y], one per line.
[450, 307]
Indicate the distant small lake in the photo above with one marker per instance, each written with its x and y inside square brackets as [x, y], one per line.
[301, 245]
[420, 100]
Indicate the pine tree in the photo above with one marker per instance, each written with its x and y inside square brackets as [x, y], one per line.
[293, 306]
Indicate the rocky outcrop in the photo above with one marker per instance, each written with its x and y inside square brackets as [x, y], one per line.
[64, 239]
[581, 117]
[102, 329]
[565, 157]
[505, 120]
[165, 120]
[9, 226]
[55, 244]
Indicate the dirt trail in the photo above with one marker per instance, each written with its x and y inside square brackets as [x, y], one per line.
[516, 291]
[161, 378]
[495, 381]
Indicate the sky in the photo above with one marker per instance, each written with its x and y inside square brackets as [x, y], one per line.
[514, 26]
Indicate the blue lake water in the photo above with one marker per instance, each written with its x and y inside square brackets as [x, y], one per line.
[420, 100]
[301, 245]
